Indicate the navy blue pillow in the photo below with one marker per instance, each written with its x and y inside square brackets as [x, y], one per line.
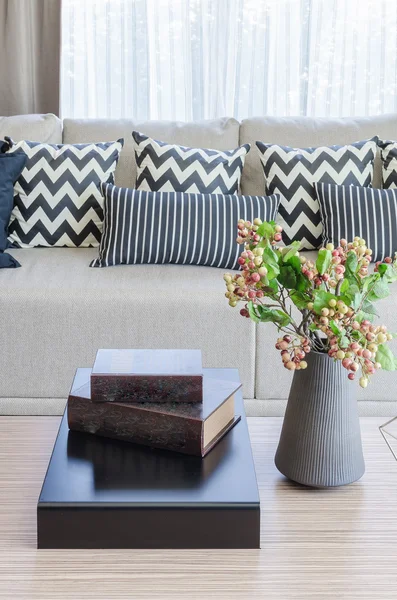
[11, 166]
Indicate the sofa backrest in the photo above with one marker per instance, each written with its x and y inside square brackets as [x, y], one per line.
[303, 132]
[37, 128]
[221, 134]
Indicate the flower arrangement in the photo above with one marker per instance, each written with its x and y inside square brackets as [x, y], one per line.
[335, 298]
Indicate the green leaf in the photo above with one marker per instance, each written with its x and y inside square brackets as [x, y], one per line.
[270, 260]
[369, 308]
[295, 263]
[266, 229]
[351, 262]
[252, 312]
[271, 287]
[388, 272]
[379, 291]
[299, 299]
[323, 260]
[351, 267]
[276, 316]
[290, 251]
[302, 283]
[344, 288]
[385, 357]
[321, 299]
[355, 299]
[287, 277]
[344, 341]
[335, 329]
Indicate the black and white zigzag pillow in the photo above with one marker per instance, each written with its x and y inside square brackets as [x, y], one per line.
[172, 227]
[388, 154]
[292, 172]
[57, 200]
[163, 167]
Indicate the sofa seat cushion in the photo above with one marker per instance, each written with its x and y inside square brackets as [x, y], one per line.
[56, 312]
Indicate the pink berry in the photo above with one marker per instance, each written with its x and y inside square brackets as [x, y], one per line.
[388, 260]
[351, 376]
[283, 345]
[244, 312]
[277, 237]
[291, 365]
[252, 294]
[346, 362]
[255, 277]
[367, 353]
[241, 260]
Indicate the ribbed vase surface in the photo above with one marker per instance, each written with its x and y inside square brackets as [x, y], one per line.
[320, 442]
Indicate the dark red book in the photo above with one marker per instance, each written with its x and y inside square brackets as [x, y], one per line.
[147, 376]
[191, 428]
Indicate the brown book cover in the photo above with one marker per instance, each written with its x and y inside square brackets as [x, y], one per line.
[191, 428]
[147, 376]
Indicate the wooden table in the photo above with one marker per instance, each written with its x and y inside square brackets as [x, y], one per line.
[316, 544]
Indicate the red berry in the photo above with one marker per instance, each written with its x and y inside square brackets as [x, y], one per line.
[351, 376]
[346, 362]
[388, 260]
[241, 261]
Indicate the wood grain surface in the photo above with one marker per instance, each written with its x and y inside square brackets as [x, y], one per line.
[316, 544]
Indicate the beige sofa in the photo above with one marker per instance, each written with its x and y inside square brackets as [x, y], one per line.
[56, 311]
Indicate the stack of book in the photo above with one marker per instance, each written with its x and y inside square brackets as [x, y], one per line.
[158, 398]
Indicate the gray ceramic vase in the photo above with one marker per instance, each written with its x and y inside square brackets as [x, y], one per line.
[320, 442]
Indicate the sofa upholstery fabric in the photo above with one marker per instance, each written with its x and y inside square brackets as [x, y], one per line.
[302, 132]
[221, 134]
[57, 311]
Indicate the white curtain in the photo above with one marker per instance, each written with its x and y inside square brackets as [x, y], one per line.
[200, 59]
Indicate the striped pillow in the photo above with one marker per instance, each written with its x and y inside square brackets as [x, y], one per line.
[172, 227]
[347, 211]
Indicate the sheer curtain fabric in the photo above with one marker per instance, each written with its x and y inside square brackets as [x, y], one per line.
[198, 59]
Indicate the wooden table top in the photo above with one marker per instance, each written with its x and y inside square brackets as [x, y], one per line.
[316, 544]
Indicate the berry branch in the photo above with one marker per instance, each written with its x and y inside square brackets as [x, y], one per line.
[335, 297]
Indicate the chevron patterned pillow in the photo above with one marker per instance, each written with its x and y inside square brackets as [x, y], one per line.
[172, 227]
[388, 154]
[57, 200]
[292, 172]
[163, 167]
